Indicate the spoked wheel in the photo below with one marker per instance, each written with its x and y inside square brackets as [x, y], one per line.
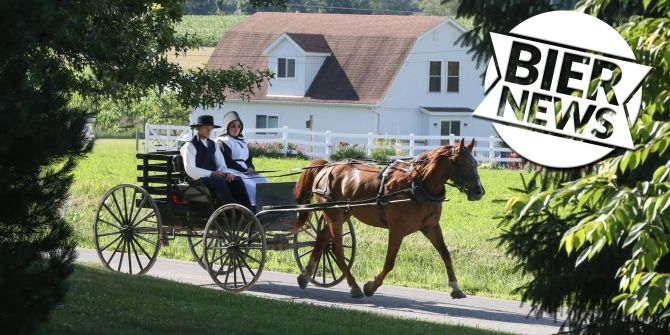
[127, 229]
[326, 273]
[234, 248]
[195, 246]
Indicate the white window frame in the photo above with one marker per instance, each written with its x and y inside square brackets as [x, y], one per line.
[295, 68]
[458, 77]
[430, 76]
[460, 128]
[267, 118]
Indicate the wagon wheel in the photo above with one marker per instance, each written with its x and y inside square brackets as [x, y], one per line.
[234, 247]
[195, 246]
[326, 273]
[127, 229]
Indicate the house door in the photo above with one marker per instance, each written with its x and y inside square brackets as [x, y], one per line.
[448, 128]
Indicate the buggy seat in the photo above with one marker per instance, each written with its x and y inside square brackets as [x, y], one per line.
[190, 189]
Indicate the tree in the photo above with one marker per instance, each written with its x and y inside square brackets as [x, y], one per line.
[200, 7]
[437, 7]
[596, 239]
[494, 16]
[51, 52]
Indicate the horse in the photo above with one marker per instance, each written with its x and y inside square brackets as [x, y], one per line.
[353, 181]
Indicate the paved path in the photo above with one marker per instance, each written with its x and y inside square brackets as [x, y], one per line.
[487, 313]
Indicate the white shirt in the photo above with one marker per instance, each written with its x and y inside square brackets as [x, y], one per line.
[188, 153]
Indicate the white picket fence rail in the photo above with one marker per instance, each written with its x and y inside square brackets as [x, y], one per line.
[320, 144]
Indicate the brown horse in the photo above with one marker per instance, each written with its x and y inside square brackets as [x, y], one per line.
[358, 181]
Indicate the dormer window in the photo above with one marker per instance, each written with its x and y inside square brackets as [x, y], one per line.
[286, 68]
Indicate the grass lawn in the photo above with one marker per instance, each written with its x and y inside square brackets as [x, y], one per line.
[469, 228]
[102, 302]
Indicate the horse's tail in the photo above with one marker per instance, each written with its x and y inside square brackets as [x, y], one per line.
[303, 188]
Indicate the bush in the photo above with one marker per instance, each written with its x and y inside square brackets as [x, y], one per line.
[276, 150]
[344, 150]
[588, 289]
[383, 151]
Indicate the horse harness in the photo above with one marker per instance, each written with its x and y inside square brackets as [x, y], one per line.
[417, 191]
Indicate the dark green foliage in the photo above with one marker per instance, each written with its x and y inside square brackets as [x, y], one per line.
[494, 16]
[52, 52]
[555, 281]
[200, 7]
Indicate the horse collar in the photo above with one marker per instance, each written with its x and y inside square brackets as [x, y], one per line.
[420, 193]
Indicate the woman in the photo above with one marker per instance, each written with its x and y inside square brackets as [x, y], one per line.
[236, 154]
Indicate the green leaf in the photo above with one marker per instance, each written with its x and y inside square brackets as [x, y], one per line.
[634, 160]
[584, 255]
[633, 283]
[567, 241]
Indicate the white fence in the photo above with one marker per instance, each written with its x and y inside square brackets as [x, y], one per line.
[318, 144]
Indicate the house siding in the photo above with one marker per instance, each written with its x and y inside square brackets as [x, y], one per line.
[400, 109]
[337, 118]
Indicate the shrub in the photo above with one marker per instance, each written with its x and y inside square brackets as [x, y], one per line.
[344, 150]
[383, 151]
[276, 150]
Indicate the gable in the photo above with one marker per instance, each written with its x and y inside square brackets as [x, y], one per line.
[367, 51]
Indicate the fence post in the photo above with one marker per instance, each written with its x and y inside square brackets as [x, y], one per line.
[411, 145]
[285, 140]
[491, 146]
[327, 144]
[146, 137]
[369, 145]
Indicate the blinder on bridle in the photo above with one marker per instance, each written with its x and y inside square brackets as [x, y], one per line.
[460, 179]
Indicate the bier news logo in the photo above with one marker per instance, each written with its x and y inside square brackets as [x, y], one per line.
[563, 89]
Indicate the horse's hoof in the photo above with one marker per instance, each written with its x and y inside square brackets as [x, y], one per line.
[458, 294]
[356, 292]
[302, 281]
[368, 288]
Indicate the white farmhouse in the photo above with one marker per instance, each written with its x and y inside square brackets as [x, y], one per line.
[392, 75]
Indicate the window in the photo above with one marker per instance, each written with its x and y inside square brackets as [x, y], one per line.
[267, 121]
[435, 77]
[285, 68]
[448, 128]
[452, 76]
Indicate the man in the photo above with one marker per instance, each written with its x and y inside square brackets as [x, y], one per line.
[202, 161]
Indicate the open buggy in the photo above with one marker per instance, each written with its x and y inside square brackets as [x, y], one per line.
[230, 242]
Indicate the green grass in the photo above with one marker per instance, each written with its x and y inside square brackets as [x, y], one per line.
[469, 228]
[207, 28]
[102, 302]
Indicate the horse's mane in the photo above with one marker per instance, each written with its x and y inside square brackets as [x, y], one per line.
[424, 165]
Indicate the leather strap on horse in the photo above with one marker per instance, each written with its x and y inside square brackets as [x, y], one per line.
[420, 193]
[380, 194]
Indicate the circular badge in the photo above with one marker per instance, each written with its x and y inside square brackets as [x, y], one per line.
[563, 89]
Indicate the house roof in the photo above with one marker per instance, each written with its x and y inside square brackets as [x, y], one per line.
[310, 42]
[367, 50]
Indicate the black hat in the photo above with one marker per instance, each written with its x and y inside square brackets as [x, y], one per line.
[230, 117]
[205, 120]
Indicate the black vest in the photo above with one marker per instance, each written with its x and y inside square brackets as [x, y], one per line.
[204, 157]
